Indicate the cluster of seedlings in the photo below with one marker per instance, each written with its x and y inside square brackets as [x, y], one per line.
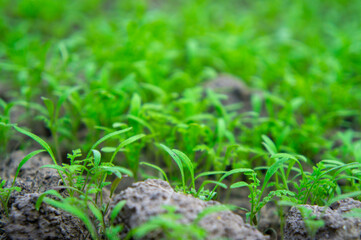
[198, 102]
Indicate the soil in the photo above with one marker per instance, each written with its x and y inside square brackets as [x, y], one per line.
[24, 221]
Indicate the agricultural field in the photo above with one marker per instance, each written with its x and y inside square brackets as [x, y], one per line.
[135, 119]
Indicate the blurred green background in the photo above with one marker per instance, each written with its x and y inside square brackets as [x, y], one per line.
[143, 64]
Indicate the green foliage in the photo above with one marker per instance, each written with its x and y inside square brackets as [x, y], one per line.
[85, 199]
[135, 73]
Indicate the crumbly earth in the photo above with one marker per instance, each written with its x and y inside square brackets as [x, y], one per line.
[235, 90]
[24, 221]
[31, 178]
[336, 226]
[146, 199]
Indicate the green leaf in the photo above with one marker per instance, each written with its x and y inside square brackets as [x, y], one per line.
[269, 145]
[57, 167]
[114, 186]
[344, 196]
[108, 149]
[235, 171]
[76, 212]
[270, 172]
[284, 155]
[239, 184]
[125, 143]
[116, 210]
[221, 129]
[273, 169]
[217, 183]
[209, 173]
[187, 162]
[38, 140]
[141, 122]
[155, 89]
[106, 137]
[131, 140]
[97, 157]
[24, 160]
[41, 197]
[135, 105]
[178, 162]
[117, 170]
[50, 106]
[97, 213]
[62, 99]
[157, 168]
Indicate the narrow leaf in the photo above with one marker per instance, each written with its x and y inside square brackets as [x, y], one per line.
[117, 171]
[269, 145]
[177, 160]
[106, 137]
[76, 212]
[41, 197]
[97, 157]
[97, 213]
[125, 143]
[239, 185]
[187, 162]
[24, 160]
[38, 140]
[116, 210]
[157, 168]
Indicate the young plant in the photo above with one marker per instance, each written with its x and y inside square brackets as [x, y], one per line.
[53, 120]
[4, 129]
[183, 162]
[86, 192]
[5, 192]
[257, 190]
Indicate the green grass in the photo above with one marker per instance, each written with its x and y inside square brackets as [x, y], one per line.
[74, 72]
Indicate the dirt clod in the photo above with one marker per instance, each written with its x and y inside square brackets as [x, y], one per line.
[146, 199]
[235, 89]
[25, 222]
[336, 226]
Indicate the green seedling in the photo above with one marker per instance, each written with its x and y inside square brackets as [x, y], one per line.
[141, 68]
[183, 162]
[53, 120]
[256, 189]
[5, 192]
[4, 120]
[86, 192]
